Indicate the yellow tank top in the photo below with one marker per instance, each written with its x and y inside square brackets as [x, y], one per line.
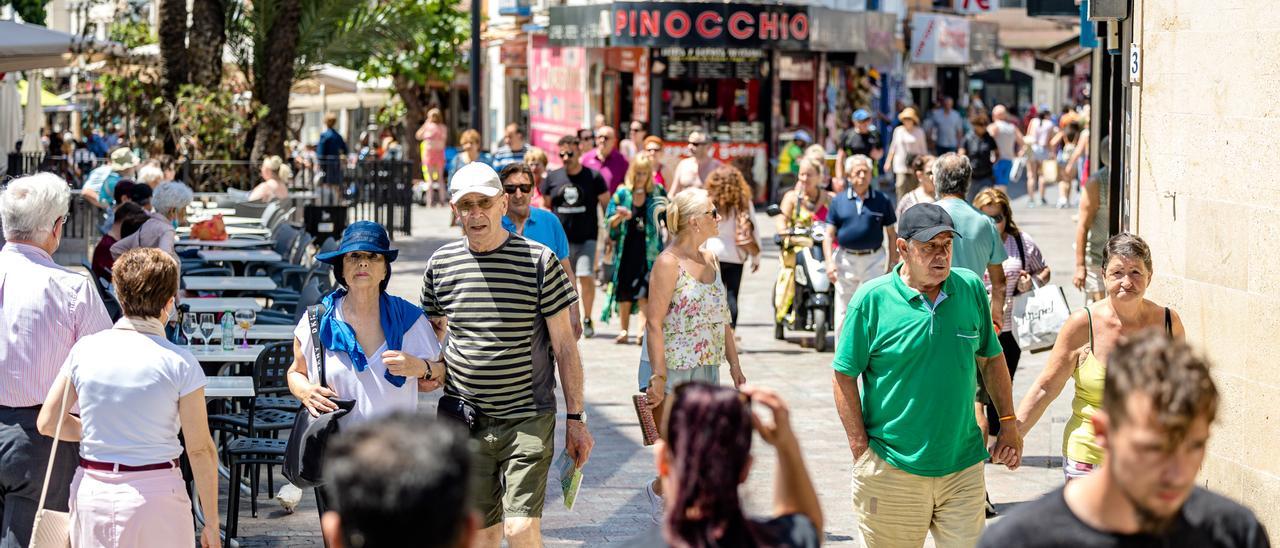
[1078, 443]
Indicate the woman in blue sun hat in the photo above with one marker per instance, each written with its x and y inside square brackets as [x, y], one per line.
[376, 346]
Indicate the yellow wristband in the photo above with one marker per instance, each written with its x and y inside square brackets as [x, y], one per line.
[1008, 418]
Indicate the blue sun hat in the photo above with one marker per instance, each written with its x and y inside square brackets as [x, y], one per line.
[362, 236]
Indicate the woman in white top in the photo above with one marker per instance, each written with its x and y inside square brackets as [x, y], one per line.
[376, 346]
[908, 141]
[738, 240]
[275, 181]
[136, 391]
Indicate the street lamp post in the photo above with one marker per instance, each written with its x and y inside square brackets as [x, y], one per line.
[475, 67]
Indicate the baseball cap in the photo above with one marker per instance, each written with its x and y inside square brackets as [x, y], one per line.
[802, 135]
[921, 222]
[861, 115]
[475, 177]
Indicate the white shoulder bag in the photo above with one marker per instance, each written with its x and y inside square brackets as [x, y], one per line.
[52, 529]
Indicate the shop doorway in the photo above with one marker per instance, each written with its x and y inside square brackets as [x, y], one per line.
[1010, 88]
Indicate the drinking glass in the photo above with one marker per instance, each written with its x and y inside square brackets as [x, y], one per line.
[190, 325]
[207, 325]
[245, 318]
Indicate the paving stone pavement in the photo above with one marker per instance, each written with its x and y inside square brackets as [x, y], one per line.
[612, 505]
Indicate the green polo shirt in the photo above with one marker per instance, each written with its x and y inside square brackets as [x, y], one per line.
[918, 369]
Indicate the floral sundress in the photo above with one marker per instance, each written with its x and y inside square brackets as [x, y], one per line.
[694, 327]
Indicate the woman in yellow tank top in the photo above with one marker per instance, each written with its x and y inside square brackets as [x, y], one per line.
[1084, 343]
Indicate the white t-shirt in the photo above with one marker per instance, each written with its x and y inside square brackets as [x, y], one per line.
[374, 394]
[129, 384]
[1005, 134]
[725, 244]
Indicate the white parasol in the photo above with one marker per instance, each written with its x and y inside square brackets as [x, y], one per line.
[33, 114]
[10, 114]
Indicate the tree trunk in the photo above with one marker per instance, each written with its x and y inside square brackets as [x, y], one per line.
[175, 61]
[275, 78]
[415, 99]
[208, 35]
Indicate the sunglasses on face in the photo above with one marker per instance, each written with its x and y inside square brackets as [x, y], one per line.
[636, 129]
[525, 188]
[567, 154]
[361, 257]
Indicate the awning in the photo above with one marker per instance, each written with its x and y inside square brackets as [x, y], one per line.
[30, 47]
[47, 99]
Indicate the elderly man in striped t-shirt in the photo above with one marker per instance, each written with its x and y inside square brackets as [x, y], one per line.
[505, 302]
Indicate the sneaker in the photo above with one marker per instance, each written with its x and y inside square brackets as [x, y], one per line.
[588, 330]
[655, 503]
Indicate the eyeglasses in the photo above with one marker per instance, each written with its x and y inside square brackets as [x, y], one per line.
[654, 150]
[636, 129]
[525, 188]
[714, 213]
[357, 257]
[467, 207]
[602, 138]
[567, 154]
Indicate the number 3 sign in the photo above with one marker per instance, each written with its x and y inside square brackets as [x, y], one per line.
[1135, 63]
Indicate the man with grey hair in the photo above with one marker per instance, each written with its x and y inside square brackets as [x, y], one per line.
[862, 219]
[979, 247]
[45, 309]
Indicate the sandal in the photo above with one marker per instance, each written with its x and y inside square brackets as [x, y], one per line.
[622, 338]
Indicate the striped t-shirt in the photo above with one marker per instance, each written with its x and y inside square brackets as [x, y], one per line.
[492, 301]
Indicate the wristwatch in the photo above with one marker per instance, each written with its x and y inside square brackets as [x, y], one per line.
[580, 417]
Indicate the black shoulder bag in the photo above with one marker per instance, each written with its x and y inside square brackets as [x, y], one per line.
[304, 453]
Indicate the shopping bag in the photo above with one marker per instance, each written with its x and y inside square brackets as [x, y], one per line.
[1038, 315]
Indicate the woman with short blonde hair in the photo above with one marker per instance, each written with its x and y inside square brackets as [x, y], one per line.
[275, 178]
[129, 489]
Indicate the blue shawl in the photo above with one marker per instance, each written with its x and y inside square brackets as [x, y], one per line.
[397, 315]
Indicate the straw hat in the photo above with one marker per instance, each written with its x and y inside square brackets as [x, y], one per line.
[909, 113]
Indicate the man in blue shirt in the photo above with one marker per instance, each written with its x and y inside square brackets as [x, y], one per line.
[861, 220]
[512, 151]
[534, 223]
[329, 150]
[979, 247]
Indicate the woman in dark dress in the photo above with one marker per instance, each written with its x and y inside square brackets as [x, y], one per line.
[638, 239]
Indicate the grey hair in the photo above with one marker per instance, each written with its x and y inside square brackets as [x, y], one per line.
[171, 196]
[150, 175]
[31, 205]
[951, 175]
[853, 161]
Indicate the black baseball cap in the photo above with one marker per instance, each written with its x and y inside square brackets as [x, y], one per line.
[921, 222]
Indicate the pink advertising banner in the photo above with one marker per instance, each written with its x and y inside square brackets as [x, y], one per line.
[557, 93]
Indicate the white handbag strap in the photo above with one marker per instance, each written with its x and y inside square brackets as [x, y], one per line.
[53, 451]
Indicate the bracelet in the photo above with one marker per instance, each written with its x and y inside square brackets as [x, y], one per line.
[1008, 418]
[655, 376]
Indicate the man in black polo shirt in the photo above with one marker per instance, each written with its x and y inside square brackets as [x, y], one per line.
[578, 194]
[862, 139]
[861, 220]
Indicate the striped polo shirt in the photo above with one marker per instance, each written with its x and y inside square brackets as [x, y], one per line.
[497, 350]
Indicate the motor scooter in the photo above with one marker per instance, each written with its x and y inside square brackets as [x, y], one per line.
[813, 302]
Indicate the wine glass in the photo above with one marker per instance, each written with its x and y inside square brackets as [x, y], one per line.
[190, 325]
[207, 325]
[245, 318]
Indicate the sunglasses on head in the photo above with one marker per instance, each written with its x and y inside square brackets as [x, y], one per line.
[525, 188]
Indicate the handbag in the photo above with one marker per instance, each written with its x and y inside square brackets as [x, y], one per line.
[52, 529]
[1038, 315]
[745, 238]
[304, 452]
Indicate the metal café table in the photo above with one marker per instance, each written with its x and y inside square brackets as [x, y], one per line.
[228, 220]
[234, 231]
[222, 304]
[229, 243]
[228, 283]
[271, 333]
[241, 256]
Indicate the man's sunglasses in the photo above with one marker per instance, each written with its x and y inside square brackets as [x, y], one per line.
[511, 189]
[567, 154]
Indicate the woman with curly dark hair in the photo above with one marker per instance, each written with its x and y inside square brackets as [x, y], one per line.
[738, 239]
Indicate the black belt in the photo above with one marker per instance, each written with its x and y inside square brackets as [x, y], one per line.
[28, 408]
[859, 251]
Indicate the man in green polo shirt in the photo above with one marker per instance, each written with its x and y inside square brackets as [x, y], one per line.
[913, 337]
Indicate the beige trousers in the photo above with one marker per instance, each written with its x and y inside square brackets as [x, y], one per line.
[896, 508]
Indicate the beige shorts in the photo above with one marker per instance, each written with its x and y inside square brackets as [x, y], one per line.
[895, 509]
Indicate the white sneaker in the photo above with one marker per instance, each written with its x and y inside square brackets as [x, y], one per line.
[655, 503]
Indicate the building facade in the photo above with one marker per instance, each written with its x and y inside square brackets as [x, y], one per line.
[1202, 190]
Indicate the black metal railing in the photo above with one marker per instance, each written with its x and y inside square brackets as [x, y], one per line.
[374, 190]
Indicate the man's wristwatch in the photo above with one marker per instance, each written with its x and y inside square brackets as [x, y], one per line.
[580, 417]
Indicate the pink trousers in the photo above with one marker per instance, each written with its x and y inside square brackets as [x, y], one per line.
[128, 509]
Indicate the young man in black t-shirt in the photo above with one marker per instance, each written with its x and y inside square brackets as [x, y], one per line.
[1157, 405]
[862, 139]
[983, 153]
[577, 195]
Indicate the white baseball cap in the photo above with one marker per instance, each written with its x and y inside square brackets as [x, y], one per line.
[475, 177]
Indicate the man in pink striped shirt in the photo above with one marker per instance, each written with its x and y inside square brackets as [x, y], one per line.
[45, 309]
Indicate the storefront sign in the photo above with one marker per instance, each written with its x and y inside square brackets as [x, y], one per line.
[675, 62]
[795, 67]
[640, 89]
[977, 6]
[557, 93]
[984, 43]
[661, 24]
[518, 8]
[749, 157]
[922, 76]
[939, 39]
